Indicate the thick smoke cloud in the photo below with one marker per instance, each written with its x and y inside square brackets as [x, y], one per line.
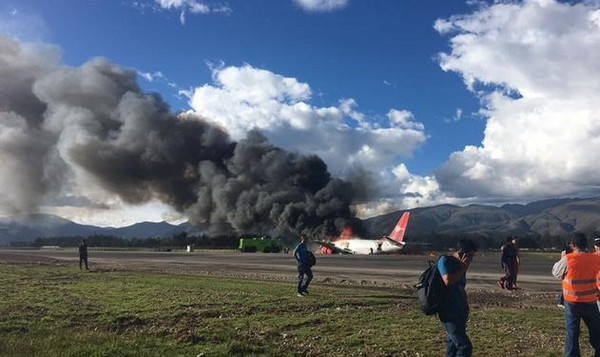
[25, 148]
[93, 127]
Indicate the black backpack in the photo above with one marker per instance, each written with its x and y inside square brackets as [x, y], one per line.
[431, 290]
[312, 260]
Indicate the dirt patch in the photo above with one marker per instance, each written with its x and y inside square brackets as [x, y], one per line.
[8, 258]
[516, 299]
[482, 292]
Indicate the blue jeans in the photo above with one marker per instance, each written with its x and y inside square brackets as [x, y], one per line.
[574, 313]
[305, 275]
[457, 343]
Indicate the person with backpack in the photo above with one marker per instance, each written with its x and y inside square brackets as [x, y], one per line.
[305, 260]
[453, 310]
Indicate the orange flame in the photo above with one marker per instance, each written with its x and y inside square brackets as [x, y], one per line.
[347, 232]
[326, 251]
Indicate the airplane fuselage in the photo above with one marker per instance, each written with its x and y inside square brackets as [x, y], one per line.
[367, 246]
[392, 242]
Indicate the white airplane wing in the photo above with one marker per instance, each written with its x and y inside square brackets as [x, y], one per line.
[334, 248]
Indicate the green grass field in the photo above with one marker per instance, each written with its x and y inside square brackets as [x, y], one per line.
[53, 310]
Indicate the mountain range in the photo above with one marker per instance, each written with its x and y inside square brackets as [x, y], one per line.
[556, 218]
[45, 225]
[547, 218]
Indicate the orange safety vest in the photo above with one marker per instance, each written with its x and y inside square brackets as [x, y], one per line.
[581, 282]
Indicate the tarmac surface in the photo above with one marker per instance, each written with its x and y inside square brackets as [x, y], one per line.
[362, 270]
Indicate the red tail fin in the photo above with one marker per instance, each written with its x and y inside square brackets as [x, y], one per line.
[398, 232]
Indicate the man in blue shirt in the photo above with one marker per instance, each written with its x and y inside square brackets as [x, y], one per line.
[305, 274]
[454, 309]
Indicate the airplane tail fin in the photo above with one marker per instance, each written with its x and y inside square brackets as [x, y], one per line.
[397, 235]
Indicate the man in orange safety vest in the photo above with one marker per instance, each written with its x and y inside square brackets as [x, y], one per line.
[580, 272]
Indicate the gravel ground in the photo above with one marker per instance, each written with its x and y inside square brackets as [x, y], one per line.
[386, 272]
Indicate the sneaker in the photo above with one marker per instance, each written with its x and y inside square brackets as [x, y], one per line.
[305, 292]
[299, 295]
[560, 306]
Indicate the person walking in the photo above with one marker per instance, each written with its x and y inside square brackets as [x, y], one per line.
[516, 263]
[579, 272]
[454, 308]
[510, 262]
[597, 251]
[83, 254]
[305, 274]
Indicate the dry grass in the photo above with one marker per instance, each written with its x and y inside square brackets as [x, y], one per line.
[54, 310]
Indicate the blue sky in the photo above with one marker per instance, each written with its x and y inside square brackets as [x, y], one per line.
[444, 101]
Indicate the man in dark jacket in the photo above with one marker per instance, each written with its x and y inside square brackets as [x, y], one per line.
[83, 254]
[305, 274]
[510, 264]
[454, 309]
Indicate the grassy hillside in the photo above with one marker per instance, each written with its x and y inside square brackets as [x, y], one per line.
[549, 221]
[60, 311]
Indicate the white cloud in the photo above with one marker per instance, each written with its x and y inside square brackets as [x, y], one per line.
[243, 98]
[151, 77]
[458, 114]
[157, 77]
[403, 190]
[534, 65]
[192, 6]
[23, 25]
[404, 119]
[321, 5]
[115, 213]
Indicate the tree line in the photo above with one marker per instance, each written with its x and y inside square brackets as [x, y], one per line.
[177, 241]
[433, 241]
[443, 241]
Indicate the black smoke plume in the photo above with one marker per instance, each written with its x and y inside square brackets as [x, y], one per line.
[92, 126]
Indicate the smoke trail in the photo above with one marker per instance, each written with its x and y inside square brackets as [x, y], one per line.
[93, 125]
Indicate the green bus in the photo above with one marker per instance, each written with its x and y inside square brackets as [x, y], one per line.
[262, 244]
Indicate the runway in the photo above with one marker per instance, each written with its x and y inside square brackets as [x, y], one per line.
[366, 270]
